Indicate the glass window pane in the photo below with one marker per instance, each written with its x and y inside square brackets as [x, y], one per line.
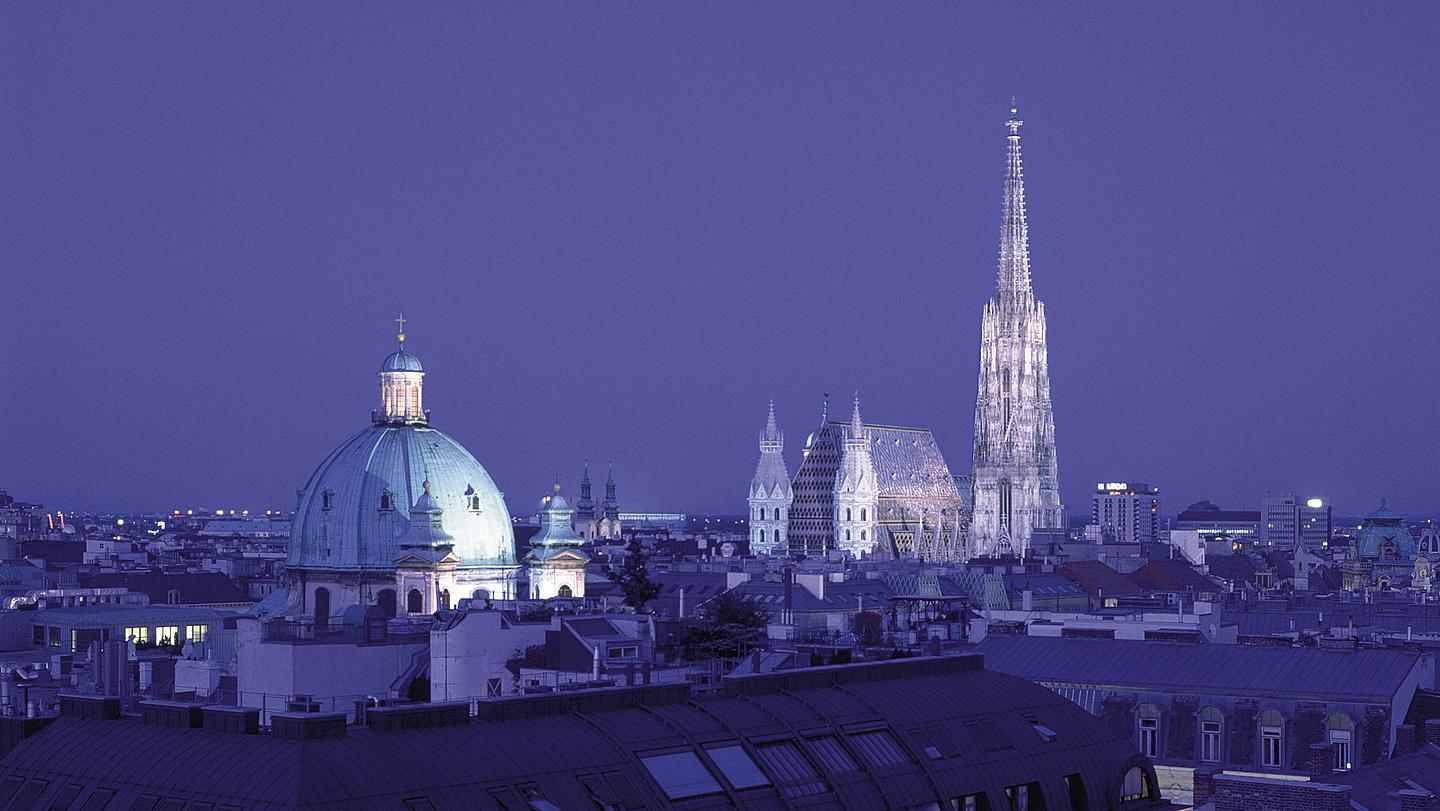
[681, 775]
[737, 767]
[879, 747]
[832, 755]
[795, 774]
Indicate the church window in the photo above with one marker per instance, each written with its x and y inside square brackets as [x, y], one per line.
[385, 503]
[414, 601]
[564, 591]
[847, 534]
[847, 513]
[325, 499]
[862, 534]
[414, 400]
[862, 514]
[445, 599]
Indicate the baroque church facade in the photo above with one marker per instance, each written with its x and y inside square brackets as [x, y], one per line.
[1015, 480]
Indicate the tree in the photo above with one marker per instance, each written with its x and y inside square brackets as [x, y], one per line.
[634, 576]
[729, 625]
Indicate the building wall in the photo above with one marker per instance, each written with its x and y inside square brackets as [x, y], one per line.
[465, 656]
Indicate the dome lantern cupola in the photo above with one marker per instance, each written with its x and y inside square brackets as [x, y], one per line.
[402, 380]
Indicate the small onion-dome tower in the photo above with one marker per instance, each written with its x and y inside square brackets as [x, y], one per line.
[557, 563]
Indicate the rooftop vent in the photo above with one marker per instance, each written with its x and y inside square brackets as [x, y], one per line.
[307, 726]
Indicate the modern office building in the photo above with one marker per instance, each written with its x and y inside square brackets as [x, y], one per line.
[1280, 522]
[1316, 522]
[1130, 510]
[1212, 522]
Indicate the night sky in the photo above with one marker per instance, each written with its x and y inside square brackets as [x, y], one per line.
[616, 230]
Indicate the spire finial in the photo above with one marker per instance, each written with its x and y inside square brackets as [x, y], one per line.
[401, 335]
[855, 422]
[825, 409]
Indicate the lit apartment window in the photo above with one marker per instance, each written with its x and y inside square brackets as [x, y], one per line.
[167, 634]
[137, 635]
[196, 633]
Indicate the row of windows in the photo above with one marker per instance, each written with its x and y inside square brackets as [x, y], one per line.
[1339, 730]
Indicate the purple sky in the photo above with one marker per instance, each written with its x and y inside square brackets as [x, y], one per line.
[617, 229]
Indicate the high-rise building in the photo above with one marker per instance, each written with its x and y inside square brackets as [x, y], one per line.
[1016, 485]
[770, 492]
[1316, 523]
[1131, 510]
[1279, 521]
[1240, 526]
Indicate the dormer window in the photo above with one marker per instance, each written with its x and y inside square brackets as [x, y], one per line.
[472, 499]
[326, 498]
[386, 502]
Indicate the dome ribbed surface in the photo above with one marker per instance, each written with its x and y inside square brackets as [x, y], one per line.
[354, 533]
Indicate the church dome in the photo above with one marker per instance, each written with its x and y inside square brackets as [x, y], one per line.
[401, 361]
[360, 502]
[356, 506]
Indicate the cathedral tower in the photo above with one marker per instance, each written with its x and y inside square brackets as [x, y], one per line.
[1016, 488]
[857, 492]
[770, 493]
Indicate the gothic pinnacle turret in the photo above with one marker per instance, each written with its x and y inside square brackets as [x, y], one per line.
[770, 493]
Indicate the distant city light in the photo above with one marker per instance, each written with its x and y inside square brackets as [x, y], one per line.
[1314, 504]
[119, 522]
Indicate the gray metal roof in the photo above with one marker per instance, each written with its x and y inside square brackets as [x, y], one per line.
[1361, 676]
[572, 749]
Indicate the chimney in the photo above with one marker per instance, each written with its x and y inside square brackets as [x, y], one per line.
[307, 726]
[231, 720]
[1319, 761]
[175, 714]
[90, 708]
[1027, 600]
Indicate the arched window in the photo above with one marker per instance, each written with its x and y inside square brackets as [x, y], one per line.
[386, 600]
[1147, 724]
[173, 596]
[325, 499]
[1135, 786]
[1272, 736]
[564, 591]
[1340, 734]
[480, 595]
[777, 513]
[445, 599]
[385, 502]
[414, 401]
[414, 601]
[862, 534]
[322, 607]
[847, 513]
[847, 534]
[1212, 728]
[862, 513]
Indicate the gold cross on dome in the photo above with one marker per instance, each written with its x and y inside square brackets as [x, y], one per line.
[401, 322]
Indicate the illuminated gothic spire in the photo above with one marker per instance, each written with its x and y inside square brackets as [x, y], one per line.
[771, 436]
[1014, 276]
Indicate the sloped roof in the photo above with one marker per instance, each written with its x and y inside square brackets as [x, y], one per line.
[1238, 569]
[1363, 676]
[193, 588]
[1373, 787]
[1170, 575]
[982, 744]
[1098, 579]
